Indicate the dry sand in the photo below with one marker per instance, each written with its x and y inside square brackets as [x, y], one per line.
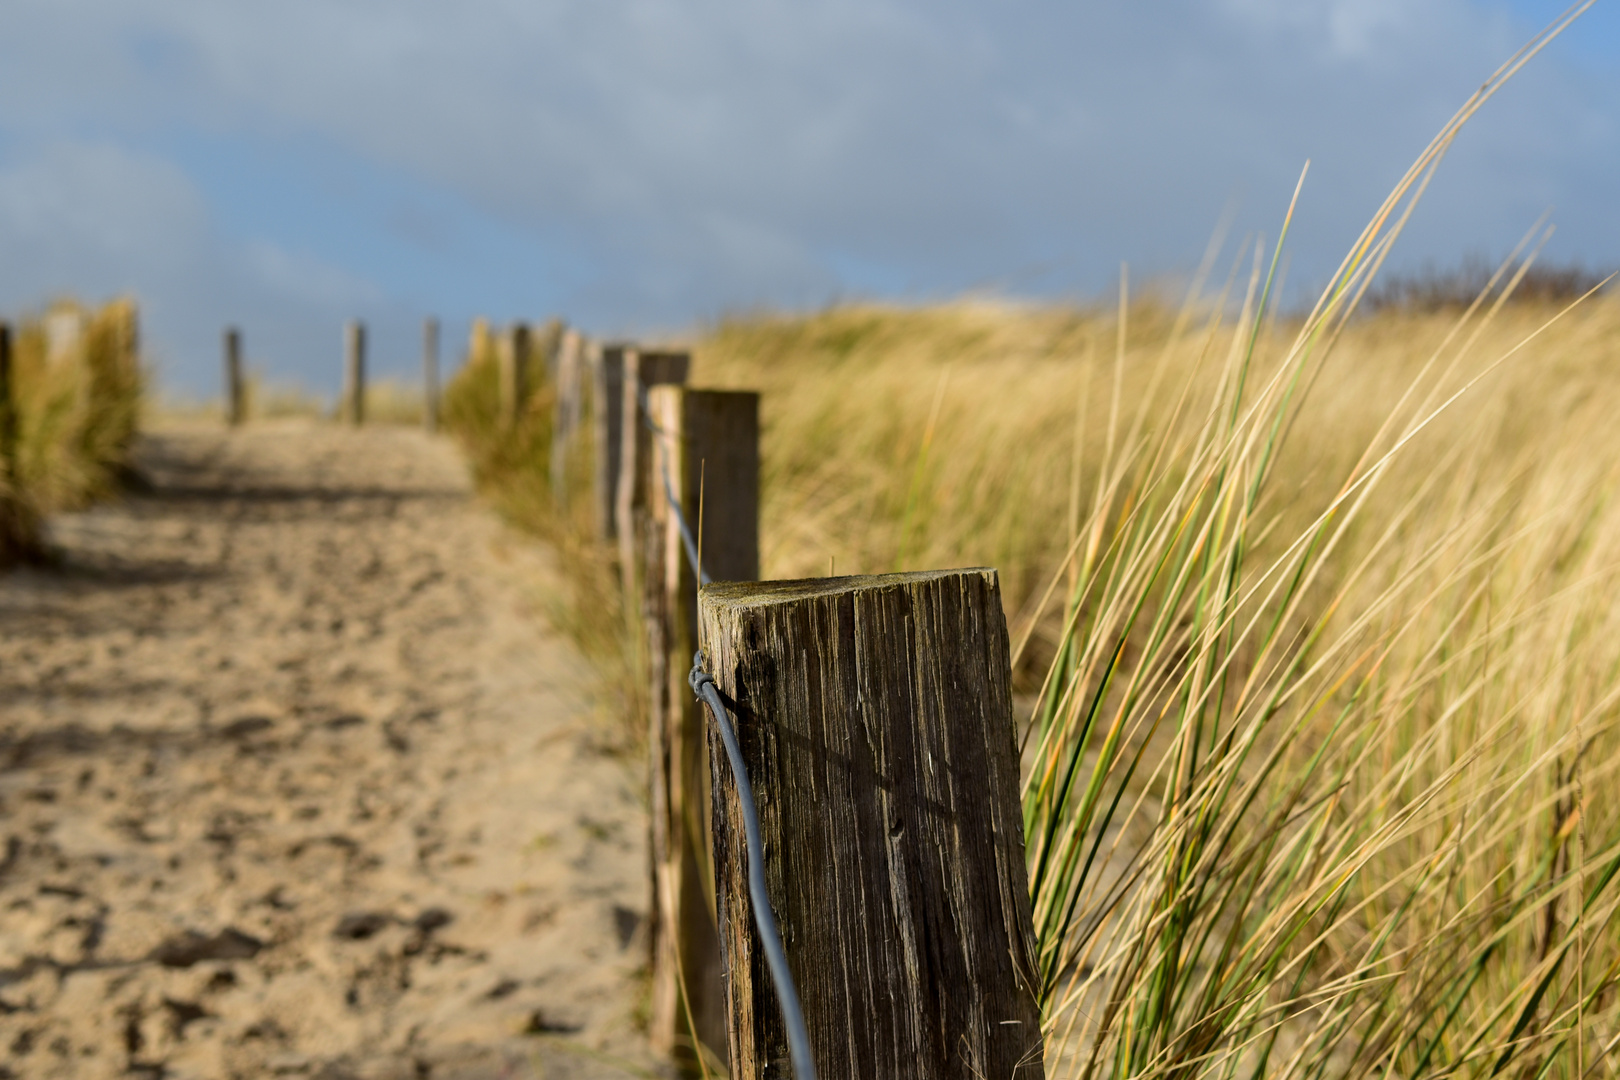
[295, 780]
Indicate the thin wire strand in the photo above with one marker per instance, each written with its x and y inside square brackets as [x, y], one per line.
[787, 995]
[669, 491]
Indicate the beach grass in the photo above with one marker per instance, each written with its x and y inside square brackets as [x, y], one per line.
[77, 392]
[1314, 640]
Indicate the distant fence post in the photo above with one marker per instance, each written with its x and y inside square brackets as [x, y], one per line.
[643, 369]
[513, 353]
[875, 717]
[567, 412]
[430, 374]
[714, 433]
[235, 396]
[607, 413]
[548, 344]
[8, 418]
[19, 524]
[354, 372]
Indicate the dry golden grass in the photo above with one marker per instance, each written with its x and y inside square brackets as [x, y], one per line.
[1018, 395]
[1325, 683]
[1476, 572]
[77, 389]
[1419, 705]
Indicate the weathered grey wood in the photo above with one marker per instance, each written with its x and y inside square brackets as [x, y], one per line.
[546, 345]
[430, 375]
[607, 416]
[354, 372]
[715, 433]
[567, 412]
[235, 397]
[513, 354]
[875, 716]
[643, 369]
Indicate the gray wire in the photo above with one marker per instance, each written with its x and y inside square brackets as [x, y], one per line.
[787, 995]
[686, 533]
[669, 491]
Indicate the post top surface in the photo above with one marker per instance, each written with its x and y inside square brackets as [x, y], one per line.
[742, 595]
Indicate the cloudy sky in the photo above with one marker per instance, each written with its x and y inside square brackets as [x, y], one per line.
[642, 165]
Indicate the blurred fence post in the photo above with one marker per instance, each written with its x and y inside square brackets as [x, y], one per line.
[513, 353]
[607, 412]
[19, 525]
[875, 718]
[235, 395]
[8, 417]
[354, 373]
[567, 413]
[548, 344]
[712, 435]
[643, 369]
[430, 374]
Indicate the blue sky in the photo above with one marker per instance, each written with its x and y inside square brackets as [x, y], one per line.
[640, 167]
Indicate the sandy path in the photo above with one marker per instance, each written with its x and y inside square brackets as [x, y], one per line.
[295, 781]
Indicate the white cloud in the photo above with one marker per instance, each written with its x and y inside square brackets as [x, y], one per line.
[666, 161]
[93, 219]
[1347, 29]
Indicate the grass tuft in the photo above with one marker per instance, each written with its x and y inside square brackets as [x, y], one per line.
[77, 386]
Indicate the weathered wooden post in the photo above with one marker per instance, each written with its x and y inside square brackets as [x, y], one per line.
[8, 417]
[235, 396]
[480, 342]
[567, 412]
[607, 414]
[875, 718]
[430, 374]
[513, 354]
[643, 369]
[19, 525]
[547, 345]
[710, 436]
[354, 372]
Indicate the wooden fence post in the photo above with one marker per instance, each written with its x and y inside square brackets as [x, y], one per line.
[567, 412]
[513, 353]
[715, 433]
[354, 372]
[643, 369]
[430, 374]
[19, 524]
[607, 414]
[8, 417]
[875, 717]
[548, 344]
[235, 396]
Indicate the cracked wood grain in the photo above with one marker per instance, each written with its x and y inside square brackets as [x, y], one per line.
[875, 717]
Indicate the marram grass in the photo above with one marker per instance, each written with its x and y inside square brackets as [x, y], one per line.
[1325, 675]
[77, 388]
[1318, 656]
